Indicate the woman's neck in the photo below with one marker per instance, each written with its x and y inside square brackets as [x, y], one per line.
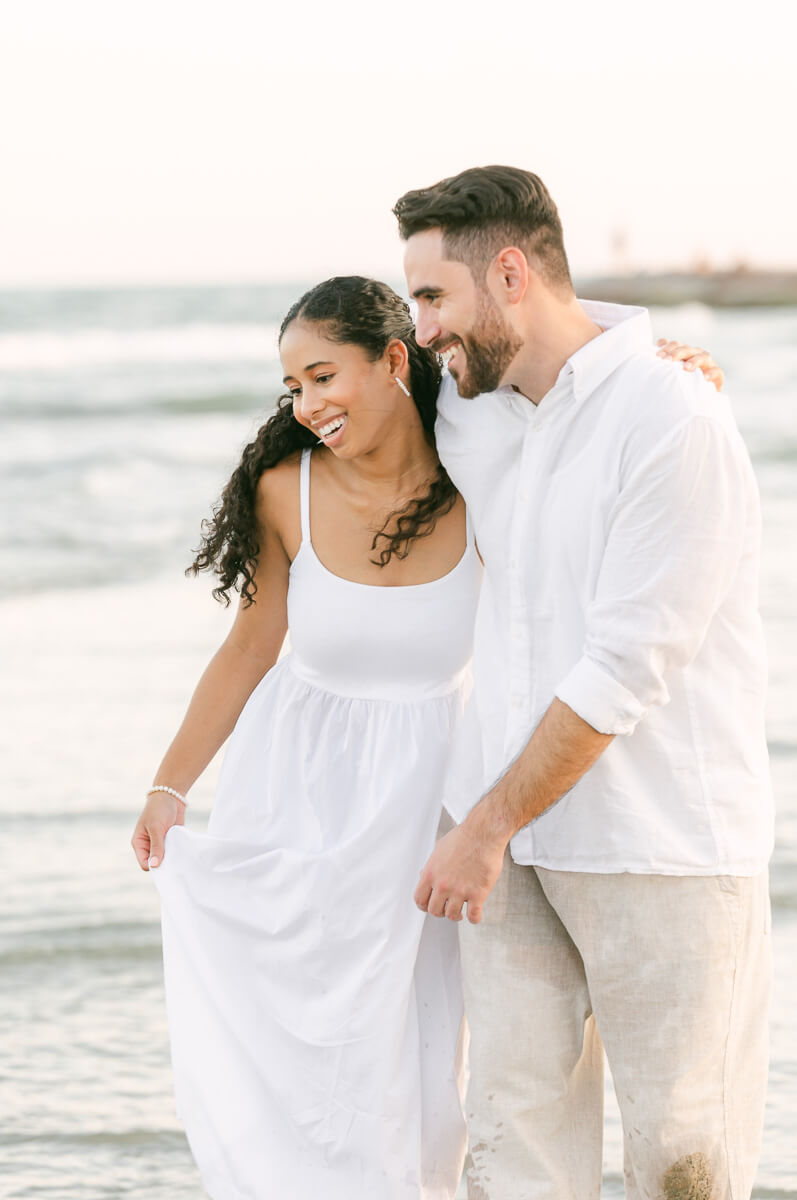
[396, 468]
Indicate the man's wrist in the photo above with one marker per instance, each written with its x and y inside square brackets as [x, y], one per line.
[490, 821]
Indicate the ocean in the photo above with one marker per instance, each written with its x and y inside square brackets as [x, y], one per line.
[122, 413]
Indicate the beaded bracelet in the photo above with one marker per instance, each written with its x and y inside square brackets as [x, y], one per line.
[161, 787]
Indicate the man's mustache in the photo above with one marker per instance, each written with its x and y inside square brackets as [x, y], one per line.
[442, 344]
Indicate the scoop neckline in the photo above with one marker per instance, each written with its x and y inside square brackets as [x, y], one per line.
[381, 587]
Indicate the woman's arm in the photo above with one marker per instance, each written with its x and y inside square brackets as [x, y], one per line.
[247, 653]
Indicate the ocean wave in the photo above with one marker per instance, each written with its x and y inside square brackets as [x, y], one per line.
[90, 348]
[141, 307]
[85, 406]
[781, 749]
[137, 1138]
[90, 566]
[88, 407]
[784, 451]
[53, 951]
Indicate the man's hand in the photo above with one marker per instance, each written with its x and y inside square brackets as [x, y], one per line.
[465, 865]
[693, 359]
[463, 869]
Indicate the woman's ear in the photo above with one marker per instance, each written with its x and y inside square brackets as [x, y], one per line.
[398, 359]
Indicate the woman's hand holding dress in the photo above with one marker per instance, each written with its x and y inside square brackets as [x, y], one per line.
[160, 812]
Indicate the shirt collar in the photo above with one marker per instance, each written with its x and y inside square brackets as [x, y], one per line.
[627, 329]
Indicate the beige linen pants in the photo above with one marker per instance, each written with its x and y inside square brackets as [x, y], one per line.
[671, 974]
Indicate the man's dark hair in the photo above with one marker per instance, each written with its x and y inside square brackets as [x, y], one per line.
[484, 209]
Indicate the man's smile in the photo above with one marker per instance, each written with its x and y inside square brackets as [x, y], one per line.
[448, 351]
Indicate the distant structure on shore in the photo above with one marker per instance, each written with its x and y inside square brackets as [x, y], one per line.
[742, 286]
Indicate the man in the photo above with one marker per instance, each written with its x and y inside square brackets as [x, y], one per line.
[619, 684]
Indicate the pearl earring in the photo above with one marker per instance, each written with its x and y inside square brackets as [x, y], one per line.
[403, 387]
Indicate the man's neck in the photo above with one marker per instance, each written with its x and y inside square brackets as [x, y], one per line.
[555, 332]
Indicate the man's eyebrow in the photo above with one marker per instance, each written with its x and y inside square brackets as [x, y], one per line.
[310, 367]
[426, 291]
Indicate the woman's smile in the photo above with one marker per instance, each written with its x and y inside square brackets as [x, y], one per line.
[330, 431]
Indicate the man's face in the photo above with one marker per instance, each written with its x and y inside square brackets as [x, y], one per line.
[457, 318]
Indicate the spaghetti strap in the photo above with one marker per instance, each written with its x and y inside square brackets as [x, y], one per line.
[304, 493]
[470, 536]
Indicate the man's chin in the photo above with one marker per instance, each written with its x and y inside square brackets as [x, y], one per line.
[465, 386]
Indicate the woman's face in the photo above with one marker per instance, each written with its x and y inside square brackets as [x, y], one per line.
[350, 403]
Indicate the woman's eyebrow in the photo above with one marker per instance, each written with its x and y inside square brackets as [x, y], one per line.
[310, 367]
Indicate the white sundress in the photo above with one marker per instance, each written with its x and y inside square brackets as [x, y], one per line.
[315, 1013]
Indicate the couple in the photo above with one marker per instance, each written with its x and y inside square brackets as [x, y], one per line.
[608, 774]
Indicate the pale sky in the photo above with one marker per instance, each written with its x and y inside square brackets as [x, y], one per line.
[187, 140]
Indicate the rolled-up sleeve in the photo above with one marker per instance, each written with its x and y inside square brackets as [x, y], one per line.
[675, 536]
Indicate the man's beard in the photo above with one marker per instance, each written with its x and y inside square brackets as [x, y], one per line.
[489, 349]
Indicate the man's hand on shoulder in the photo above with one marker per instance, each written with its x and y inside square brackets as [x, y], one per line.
[694, 359]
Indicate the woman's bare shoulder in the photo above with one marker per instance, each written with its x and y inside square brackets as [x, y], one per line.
[277, 502]
[280, 484]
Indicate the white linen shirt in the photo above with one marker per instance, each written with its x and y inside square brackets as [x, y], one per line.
[619, 526]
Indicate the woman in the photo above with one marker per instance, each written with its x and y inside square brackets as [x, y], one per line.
[315, 1013]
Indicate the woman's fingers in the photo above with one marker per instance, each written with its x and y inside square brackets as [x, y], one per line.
[140, 841]
[680, 351]
[160, 813]
[694, 358]
[715, 375]
[156, 835]
[701, 360]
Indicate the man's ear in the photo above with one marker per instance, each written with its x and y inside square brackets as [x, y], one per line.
[509, 274]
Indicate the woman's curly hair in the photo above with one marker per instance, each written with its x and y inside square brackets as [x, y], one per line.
[353, 311]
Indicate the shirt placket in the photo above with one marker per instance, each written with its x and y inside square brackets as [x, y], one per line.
[525, 582]
[521, 630]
